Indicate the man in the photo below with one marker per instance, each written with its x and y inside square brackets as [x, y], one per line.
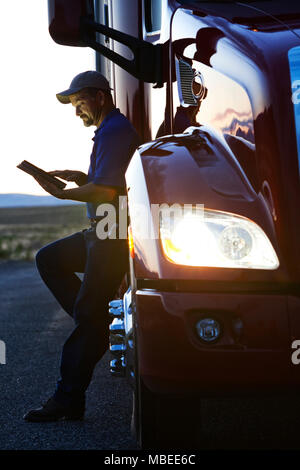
[103, 262]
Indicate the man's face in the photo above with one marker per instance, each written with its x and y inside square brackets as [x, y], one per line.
[87, 107]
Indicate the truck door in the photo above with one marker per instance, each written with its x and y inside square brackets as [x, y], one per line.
[130, 94]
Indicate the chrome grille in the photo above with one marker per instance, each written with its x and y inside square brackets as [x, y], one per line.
[185, 76]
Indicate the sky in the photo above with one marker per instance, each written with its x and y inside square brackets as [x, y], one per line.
[34, 125]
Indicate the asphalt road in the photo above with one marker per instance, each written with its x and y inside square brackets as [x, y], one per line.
[34, 328]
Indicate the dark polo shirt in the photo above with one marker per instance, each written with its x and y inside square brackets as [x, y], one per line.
[115, 141]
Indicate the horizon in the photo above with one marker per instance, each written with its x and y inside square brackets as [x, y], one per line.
[22, 200]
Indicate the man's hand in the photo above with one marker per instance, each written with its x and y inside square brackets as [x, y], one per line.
[89, 192]
[78, 177]
[50, 188]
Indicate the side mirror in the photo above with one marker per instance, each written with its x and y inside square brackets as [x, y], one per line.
[65, 20]
[72, 23]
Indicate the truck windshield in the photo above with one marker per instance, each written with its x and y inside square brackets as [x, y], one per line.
[294, 61]
[274, 7]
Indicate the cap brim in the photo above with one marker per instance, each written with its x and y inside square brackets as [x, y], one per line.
[64, 96]
[63, 99]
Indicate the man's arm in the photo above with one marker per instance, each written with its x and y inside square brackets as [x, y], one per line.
[89, 192]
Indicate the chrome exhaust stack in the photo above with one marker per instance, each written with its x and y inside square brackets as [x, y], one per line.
[117, 345]
[117, 367]
[116, 308]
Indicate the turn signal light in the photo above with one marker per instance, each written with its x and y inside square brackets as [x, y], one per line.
[130, 242]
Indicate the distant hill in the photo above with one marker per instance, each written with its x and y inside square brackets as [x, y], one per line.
[28, 200]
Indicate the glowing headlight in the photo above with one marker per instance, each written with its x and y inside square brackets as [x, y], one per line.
[216, 239]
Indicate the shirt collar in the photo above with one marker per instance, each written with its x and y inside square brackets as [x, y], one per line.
[110, 115]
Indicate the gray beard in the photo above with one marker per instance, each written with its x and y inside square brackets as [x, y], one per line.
[87, 122]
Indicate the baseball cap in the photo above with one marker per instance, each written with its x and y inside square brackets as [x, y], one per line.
[88, 79]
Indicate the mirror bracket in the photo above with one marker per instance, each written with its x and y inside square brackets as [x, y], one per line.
[146, 64]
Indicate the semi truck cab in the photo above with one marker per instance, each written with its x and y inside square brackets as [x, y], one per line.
[212, 301]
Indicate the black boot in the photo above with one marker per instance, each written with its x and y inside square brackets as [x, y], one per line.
[54, 411]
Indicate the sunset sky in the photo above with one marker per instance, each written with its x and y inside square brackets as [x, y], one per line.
[34, 125]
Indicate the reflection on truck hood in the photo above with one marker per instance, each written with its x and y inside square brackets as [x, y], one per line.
[263, 16]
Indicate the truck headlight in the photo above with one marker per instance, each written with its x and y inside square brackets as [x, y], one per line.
[216, 239]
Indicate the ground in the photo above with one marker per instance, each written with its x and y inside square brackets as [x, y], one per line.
[34, 328]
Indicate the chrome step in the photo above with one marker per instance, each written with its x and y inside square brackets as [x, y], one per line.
[116, 312]
[117, 344]
[117, 367]
[117, 326]
[117, 350]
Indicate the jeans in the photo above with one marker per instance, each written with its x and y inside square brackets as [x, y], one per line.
[104, 263]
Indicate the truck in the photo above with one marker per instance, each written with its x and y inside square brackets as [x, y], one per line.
[211, 302]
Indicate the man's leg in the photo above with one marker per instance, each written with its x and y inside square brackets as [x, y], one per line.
[57, 264]
[107, 262]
